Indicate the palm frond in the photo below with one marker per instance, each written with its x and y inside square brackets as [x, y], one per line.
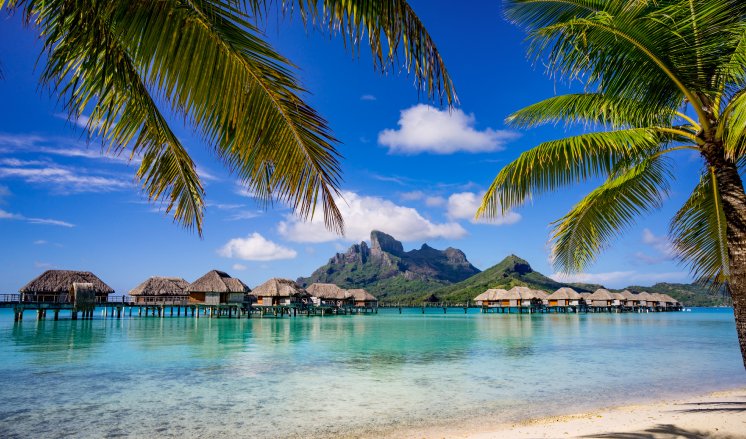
[591, 109]
[87, 64]
[206, 59]
[393, 29]
[732, 128]
[698, 232]
[558, 163]
[602, 215]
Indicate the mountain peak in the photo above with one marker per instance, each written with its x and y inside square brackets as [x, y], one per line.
[515, 264]
[382, 242]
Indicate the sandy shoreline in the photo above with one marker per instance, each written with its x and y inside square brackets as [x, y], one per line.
[718, 415]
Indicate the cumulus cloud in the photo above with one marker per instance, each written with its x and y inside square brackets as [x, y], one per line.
[363, 214]
[620, 278]
[424, 128]
[464, 205]
[255, 247]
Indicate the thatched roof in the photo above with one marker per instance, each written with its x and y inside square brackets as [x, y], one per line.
[645, 296]
[493, 294]
[657, 297]
[669, 299]
[60, 282]
[629, 295]
[161, 286]
[618, 296]
[526, 293]
[327, 291]
[277, 287]
[360, 294]
[585, 296]
[217, 282]
[601, 294]
[512, 294]
[564, 293]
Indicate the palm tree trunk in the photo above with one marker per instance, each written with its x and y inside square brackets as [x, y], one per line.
[731, 191]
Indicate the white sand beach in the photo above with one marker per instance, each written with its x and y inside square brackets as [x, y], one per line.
[720, 415]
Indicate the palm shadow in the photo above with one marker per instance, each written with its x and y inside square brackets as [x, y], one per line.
[664, 431]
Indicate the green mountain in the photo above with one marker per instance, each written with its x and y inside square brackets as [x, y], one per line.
[388, 272]
[428, 274]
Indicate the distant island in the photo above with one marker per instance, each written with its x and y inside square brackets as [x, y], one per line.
[391, 274]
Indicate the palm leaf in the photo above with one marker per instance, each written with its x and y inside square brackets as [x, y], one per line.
[86, 63]
[698, 232]
[559, 163]
[590, 109]
[602, 215]
[393, 31]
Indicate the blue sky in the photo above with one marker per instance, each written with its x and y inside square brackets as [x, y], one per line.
[409, 169]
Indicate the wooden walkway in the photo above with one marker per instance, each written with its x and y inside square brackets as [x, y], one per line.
[124, 306]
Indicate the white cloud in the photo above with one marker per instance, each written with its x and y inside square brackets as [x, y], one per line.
[40, 242]
[239, 267]
[244, 215]
[412, 196]
[44, 221]
[62, 179]
[424, 128]
[464, 205]
[618, 279]
[435, 201]
[48, 221]
[255, 247]
[8, 215]
[16, 143]
[660, 244]
[205, 174]
[363, 214]
[368, 98]
[4, 192]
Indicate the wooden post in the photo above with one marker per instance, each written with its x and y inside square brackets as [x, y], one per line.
[56, 314]
[75, 315]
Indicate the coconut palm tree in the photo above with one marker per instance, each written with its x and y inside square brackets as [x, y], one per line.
[660, 76]
[132, 64]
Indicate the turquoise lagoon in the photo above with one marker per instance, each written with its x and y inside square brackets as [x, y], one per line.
[346, 375]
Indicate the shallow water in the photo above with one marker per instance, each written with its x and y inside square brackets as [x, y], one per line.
[301, 377]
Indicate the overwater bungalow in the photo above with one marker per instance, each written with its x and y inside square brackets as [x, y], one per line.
[631, 300]
[56, 286]
[330, 294]
[159, 290]
[526, 296]
[363, 298]
[600, 298]
[543, 296]
[509, 298]
[618, 299]
[491, 297]
[217, 287]
[646, 300]
[278, 291]
[564, 297]
[585, 298]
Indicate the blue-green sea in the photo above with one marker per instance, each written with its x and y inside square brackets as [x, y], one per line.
[346, 375]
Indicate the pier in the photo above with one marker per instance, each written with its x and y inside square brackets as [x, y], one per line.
[126, 306]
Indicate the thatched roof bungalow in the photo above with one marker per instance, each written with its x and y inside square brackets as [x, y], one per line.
[528, 296]
[329, 294]
[278, 291]
[56, 286]
[618, 299]
[363, 298]
[601, 297]
[585, 298]
[564, 297]
[490, 297]
[159, 290]
[646, 299]
[217, 287]
[630, 299]
[511, 297]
